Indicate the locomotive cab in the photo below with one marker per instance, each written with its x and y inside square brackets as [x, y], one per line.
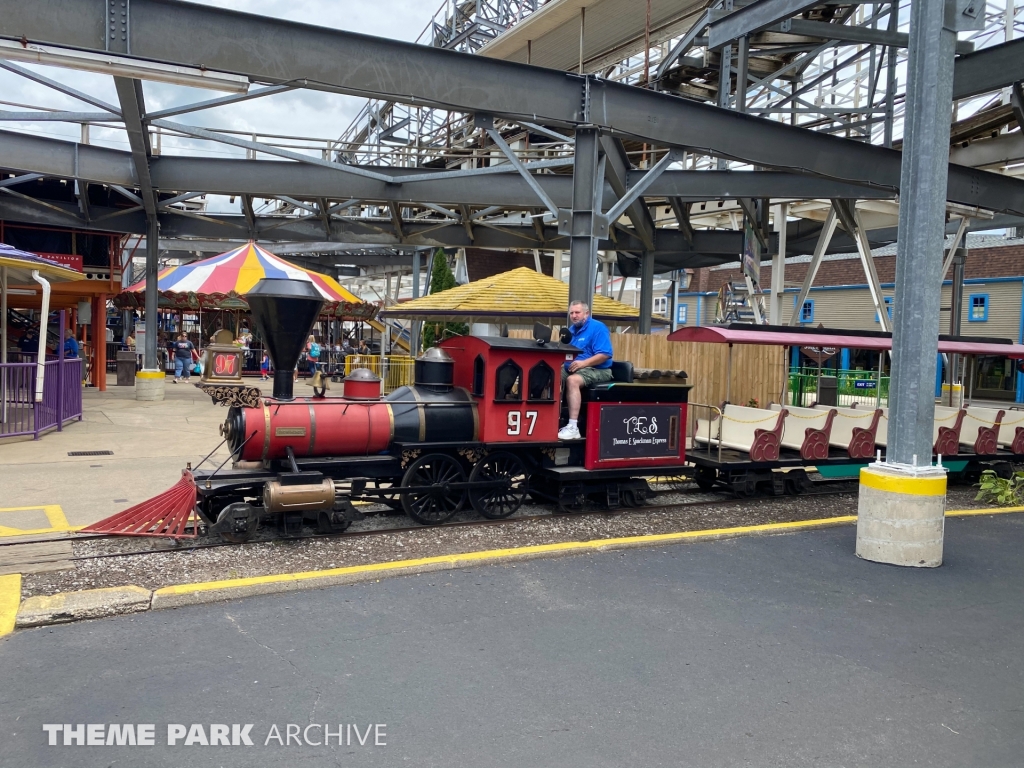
[516, 384]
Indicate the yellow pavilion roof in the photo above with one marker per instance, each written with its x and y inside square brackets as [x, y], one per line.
[520, 293]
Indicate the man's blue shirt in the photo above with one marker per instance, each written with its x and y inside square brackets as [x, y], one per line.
[70, 347]
[592, 338]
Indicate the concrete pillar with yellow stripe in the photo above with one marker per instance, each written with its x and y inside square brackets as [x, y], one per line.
[149, 385]
[900, 515]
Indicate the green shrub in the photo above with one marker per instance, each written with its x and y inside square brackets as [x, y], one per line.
[1003, 491]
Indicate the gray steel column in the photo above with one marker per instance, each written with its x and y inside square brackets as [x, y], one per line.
[922, 232]
[674, 320]
[585, 234]
[956, 308]
[646, 291]
[415, 325]
[152, 269]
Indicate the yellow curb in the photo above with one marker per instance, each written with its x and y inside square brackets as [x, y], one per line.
[500, 554]
[10, 601]
[988, 511]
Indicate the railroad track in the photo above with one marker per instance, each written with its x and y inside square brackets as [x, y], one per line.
[834, 488]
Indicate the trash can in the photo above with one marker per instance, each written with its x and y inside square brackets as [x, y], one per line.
[828, 391]
[125, 368]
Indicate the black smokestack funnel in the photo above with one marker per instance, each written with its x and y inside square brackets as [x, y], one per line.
[284, 311]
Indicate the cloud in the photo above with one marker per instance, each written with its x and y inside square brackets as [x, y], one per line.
[297, 113]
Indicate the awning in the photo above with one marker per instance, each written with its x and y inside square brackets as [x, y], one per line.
[829, 338]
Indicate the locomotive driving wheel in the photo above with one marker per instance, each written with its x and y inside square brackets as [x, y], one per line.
[507, 485]
[430, 499]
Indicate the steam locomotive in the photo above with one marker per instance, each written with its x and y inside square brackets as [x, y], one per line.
[478, 426]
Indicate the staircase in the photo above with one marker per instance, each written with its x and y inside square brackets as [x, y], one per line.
[737, 303]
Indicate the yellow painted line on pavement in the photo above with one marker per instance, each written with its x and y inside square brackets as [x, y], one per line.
[10, 601]
[497, 554]
[54, 515]
[988, 511]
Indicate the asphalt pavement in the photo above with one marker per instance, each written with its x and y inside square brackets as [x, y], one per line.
[763, 651]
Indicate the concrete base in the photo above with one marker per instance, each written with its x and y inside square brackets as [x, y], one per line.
[149, 385]
[901, 515]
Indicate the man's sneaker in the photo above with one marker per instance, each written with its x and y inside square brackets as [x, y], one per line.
[569, 432]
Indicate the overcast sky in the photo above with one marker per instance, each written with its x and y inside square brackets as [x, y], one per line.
[297, 113]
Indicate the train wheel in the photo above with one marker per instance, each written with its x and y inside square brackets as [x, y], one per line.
[501, 500]
[237, 523]
[434, 501]
[705, 478]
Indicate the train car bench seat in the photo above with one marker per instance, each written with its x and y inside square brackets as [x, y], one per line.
[813, 439]
[980, 430]
[946, 432]
[744, 429]
[854, 430]
[1011, 432]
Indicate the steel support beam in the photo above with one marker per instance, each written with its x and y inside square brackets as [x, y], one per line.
[150, 362]
[133, 107]
[824, 238]
[646, 291]
[989, 69]
[616, 171]
[850, 219]
[584, 225]
[166, 31]
[922, 224]
[755, 17]
[778, 285]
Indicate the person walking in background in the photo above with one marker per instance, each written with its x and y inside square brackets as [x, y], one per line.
[265, 367]
[312, 354]
[183, 349]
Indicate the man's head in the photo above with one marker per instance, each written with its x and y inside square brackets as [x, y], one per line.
[182, 337]
[579, 311]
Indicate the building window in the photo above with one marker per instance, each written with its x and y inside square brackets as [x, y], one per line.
[978, 312]
[506, 381]
[660, 306]
[542, 382]
[807, 311]
[681, 312]
[888, 308]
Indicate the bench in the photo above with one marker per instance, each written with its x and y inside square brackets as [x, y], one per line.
[946, 432]
[1011, 433]
[816, 423]
[981, 430]
[740, 430]
[855, 430]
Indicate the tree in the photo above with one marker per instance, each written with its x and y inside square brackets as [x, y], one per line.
[441, 279]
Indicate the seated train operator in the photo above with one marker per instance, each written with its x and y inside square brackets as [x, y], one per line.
[592, 365]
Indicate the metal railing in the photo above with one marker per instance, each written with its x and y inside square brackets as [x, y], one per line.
[62, 397]
[394, 370]
[852, 387]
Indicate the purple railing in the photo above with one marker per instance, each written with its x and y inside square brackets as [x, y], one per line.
[61, 403]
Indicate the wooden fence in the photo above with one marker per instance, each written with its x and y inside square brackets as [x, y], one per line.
[757, 370]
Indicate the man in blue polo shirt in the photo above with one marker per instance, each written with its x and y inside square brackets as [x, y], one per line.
[592, 365]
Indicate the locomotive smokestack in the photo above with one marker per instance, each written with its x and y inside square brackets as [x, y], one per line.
[284, 311]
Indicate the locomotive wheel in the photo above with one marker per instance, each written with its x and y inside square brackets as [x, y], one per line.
[435, 502]
[498, 502]
[237, 522]
[211, 509]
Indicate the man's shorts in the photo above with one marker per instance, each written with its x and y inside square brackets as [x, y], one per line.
[590, 376]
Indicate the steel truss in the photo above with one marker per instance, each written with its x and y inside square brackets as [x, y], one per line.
[821, 101]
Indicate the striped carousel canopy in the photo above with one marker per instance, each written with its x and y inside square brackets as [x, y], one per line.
[221, 282]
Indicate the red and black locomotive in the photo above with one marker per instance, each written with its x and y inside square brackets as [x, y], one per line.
[479, 427]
